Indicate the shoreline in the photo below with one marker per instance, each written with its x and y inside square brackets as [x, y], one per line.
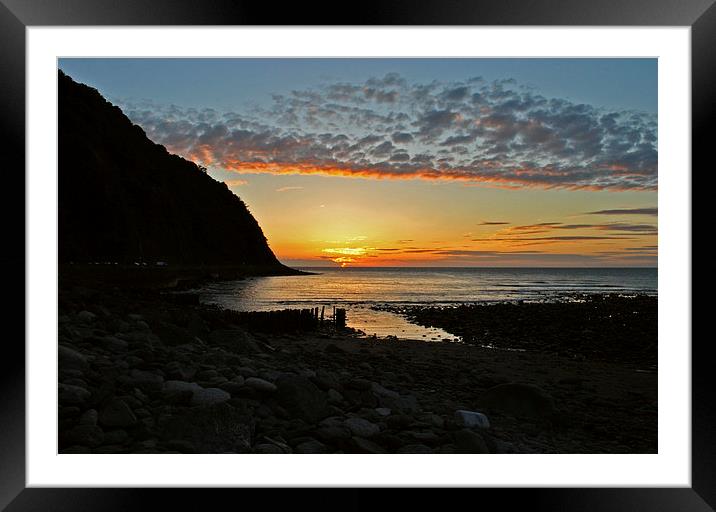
[141, 373]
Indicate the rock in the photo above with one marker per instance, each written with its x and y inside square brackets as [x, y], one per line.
[415, 448]
[260, 385]
[366, 446]
[142, 325]
[334, 397]
[399, 421]
[115, 437]
[471, 419]
[85, 435]
[218, 428]
[468, 441]
[301, 398]
[268, 448]
[177, 371]
[331, 348]
[117, 414]
[180, 445]
[70, 359]
[380, 391]
[311, 446]
[247, 372]
[234, 340]
[209, 396]
[144, 380]
[359, 384]
[207, 375]
[113, 344]
[383, 411]
[331, 434]
[361, 428]
[233, 388]
[89, 417]
[326, 380]
[68, 411]
[178, 385]
[86, 317]
[519, 400]
[362, 397]
[172, 335]
[178, 397]
[72, 395]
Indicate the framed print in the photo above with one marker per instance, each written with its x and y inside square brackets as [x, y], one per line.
[446, 246]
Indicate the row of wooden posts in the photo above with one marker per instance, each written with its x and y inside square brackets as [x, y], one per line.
[287, 320]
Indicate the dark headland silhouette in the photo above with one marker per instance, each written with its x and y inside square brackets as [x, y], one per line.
[125, 199]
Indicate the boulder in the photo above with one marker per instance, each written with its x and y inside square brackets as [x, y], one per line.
[301, 398]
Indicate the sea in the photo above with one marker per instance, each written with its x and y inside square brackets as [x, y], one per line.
[360, 290]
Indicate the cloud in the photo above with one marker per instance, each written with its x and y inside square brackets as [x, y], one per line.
[627, 211]
[288, 189]
[236, 183]
[493, 223]
[495, 134]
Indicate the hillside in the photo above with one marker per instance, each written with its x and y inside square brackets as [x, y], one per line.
[125, 199]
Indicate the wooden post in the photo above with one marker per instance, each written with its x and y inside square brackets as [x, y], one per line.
[340, 318]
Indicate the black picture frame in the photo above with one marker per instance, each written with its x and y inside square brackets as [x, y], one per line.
[17, 15]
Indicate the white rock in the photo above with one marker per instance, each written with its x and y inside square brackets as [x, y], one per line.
[472, 419]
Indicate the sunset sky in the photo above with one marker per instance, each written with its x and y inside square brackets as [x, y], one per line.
[415, 162]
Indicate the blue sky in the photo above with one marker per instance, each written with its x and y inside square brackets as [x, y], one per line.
[229, 83]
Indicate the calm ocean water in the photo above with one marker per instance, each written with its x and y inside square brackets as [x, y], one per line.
[357, 289]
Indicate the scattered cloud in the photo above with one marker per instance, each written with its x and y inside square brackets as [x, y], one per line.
[288, 189]
[236, 183]
[496, 134]
[627, 211]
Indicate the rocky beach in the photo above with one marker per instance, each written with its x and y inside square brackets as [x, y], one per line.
[154, 371]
